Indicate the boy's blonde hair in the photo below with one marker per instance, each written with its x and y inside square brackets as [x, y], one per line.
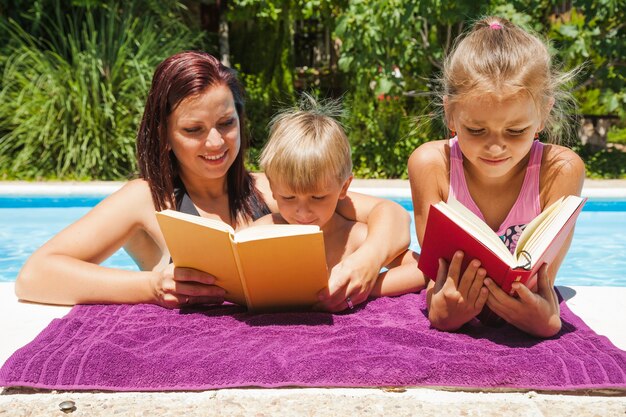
[307, 148]
[499, 58]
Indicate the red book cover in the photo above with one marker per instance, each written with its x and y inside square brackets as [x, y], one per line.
[443, 237]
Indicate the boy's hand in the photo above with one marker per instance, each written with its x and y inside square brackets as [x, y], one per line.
[455, 300]
[535, 313]
[349, 284]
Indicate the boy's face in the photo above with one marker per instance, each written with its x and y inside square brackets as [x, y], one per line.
[309, 208]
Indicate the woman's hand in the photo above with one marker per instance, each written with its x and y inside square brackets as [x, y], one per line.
[176, 287]
[455, 300]
[535, 313]
[350, 283]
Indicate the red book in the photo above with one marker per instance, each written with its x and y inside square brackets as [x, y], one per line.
[451, 226]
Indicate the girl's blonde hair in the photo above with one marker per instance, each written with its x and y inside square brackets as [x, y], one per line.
[497, 57]
[307, 148]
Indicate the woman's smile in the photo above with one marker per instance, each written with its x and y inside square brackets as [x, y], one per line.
[216, 158]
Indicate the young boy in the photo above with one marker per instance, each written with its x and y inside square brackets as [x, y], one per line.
[307, 161]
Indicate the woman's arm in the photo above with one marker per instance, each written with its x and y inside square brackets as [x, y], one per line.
[65, 270]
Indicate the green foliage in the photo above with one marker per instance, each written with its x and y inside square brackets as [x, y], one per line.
[382, 136]
[259, 111]
[604, 164]
[73, 85]
[591, 36]
[617, 135]
[71, 99]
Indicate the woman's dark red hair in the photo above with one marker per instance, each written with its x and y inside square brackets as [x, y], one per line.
[179, 76]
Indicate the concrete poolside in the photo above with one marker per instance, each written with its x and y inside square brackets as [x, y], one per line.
[602, 308]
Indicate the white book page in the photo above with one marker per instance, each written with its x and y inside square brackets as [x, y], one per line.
[533, 227]
[473, 224]
[274, 230]
[539, 241]
[202, 221]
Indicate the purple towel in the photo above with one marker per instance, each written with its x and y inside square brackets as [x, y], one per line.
[387, 342]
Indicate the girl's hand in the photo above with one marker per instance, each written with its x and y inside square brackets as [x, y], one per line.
[535, 313]
[349, 284]
[453, 303]
[176, 287]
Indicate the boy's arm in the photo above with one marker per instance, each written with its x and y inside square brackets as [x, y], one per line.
[387, 236]
[401, 277]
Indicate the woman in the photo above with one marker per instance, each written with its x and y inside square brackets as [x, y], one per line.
[191, 147]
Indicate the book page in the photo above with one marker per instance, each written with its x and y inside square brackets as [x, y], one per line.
[539, 241]
[532, 227]
[474, 225]
[268, 231]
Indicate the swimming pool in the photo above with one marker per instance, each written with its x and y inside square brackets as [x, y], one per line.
[596, 257]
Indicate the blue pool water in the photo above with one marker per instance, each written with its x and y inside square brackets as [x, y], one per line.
[597, 256]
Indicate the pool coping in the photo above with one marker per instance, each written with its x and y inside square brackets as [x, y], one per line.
[389, 188]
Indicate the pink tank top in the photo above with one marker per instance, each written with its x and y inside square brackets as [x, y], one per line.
[526, 207]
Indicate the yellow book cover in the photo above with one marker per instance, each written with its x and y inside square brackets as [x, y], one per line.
[264, 267]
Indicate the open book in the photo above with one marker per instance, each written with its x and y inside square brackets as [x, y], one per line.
[451, 226]
[261, 267]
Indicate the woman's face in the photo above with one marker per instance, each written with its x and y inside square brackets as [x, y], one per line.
[204, 134]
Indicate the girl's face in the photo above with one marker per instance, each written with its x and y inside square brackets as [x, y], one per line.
[204, 134]
[495, 134]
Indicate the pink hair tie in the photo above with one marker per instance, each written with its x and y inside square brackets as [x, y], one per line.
[495, 26]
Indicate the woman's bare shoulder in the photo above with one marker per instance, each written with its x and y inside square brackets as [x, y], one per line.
[260, 181]
[135, 192]
[131, 204]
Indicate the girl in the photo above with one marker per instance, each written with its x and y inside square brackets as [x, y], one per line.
[500, 91]
[191, 146]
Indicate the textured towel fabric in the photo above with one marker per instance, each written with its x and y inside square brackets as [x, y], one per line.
[387, 342]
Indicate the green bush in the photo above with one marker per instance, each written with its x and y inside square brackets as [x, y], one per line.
[607, 163]
[382, 135]
[71, 100]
